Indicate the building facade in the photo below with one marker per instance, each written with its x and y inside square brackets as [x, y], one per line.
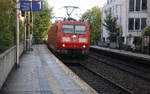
[132, 17]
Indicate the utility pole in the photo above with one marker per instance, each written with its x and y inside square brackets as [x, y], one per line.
[119, 38]
[25, 24]
[17, 32]
[32, 28]
[28, 31]
[149, 20]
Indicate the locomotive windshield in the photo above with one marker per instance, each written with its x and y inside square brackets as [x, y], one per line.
[74, 28]
[80, 29]
[68, 28]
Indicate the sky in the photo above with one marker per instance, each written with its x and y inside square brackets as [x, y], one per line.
[84, 5]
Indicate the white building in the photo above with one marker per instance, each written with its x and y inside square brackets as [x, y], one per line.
[133, 16]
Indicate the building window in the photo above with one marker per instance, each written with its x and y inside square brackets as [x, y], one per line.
[138, 4]
[131, 5]
[144, 4]
[143, 23]
[131, 23]
[137, 23]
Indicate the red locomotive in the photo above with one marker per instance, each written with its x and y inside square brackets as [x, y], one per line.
[69, 37]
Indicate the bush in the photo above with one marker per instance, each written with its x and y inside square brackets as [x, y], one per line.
[137, 41]
[146, 31]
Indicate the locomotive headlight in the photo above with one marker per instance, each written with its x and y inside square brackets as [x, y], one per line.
[84, 46]
[66, 39]
[63, 45]
[82, 40]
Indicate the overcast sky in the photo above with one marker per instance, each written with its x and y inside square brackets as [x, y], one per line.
[84, 5]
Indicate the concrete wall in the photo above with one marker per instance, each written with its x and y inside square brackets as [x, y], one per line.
[7, 62]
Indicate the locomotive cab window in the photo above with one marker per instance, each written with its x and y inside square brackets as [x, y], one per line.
[80, 29]
[68, 28]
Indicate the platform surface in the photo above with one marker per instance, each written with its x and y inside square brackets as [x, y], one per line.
[127, 53]
[41, 72]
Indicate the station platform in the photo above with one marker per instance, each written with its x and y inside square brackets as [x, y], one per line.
[124, 53]
[40, 72]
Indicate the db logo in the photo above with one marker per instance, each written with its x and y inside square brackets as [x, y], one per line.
[74, 38]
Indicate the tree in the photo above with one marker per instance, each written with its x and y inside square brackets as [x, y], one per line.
[146, 31]
[110, 24]
[7, 26]
[93, 17]
[42, 22]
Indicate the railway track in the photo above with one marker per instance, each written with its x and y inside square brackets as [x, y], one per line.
[101, 84]
[140, 72]
[124, 90]
[134, 78]
[109, 75]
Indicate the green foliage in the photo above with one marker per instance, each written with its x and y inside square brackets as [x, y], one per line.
[42, 21]
[21, 32]
[110, 24]
[4, 4]
[93, 17]
[7, 26]
[137, 41]
[146, 31]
